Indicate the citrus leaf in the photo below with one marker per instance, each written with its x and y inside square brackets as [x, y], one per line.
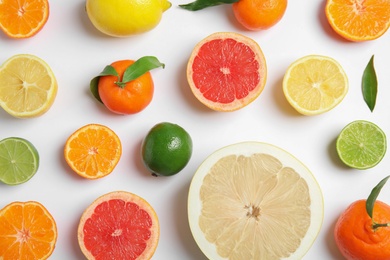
[374, 195]
[140, 67]
[370, 84]
[93, 85]
[201, 4]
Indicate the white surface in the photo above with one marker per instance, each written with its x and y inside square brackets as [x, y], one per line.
[77, 52]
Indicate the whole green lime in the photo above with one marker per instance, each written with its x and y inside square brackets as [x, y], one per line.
[166, 149]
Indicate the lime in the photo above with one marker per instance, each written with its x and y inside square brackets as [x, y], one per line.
[19, 160]
[361, 144]
[166, 149]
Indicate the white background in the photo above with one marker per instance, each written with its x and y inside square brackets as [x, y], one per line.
[77, 52]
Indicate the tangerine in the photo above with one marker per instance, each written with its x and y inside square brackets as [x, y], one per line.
[259, 14]
[358, 20]
[129, 98]
[356, 236]
[23, 18]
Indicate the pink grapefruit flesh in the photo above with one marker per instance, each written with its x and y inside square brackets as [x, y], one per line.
[227, 71]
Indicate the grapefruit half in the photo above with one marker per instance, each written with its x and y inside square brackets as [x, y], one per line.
[119, 225]
[254, 200]
[226, 71]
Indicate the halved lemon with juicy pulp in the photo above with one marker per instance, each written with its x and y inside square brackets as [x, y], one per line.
[315, 84]
[28, 86]
[253, 200]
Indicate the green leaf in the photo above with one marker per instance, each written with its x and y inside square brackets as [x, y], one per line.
[370, 85]
[93, 85]
[374, 195]
[201, 4]
[140, 67]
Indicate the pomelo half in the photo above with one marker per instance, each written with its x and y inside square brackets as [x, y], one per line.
[253, 200]
[226, 71]
[119, 225]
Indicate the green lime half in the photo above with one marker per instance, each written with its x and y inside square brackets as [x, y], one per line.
[361, 144]
[166, 149]
[19, 160]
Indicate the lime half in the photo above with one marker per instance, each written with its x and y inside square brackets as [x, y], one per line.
[19, 160]
[361, 144]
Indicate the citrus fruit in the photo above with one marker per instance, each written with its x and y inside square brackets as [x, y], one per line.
[27, 231]
[119, 225]
[166, 149]
[355, 236]
[361, 144]
[253, 200]
[226, 71]
[23, 18]
[123, 18]
[19, 160]
[133, 97]
[358, 20]
[93, 151]
[28, 86]
[259, 14]
[315, 84]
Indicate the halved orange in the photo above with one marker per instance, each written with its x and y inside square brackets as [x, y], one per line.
[27, 231]
[358, 20]
[93, 151]
[227, 71]
[23, 18]
[119, 225]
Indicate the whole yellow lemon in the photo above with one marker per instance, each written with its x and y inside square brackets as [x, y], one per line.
[121, 18]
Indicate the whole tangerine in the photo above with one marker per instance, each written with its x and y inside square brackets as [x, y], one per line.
[129, 98]
[259, 14]
[358, 237]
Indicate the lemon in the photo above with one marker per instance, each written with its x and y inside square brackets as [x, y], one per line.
[166, 149]
[315, 84]
[28, 86]
[121, 18]
[253, 200]
[361, 144]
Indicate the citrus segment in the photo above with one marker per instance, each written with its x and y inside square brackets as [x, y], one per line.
[119, 225]
[19, 160]
[93, 151]
[315, 84]
[23, 18]
[361, 144]
[28, 86]
[254, 201]
[226, 71]
[359, 20]
[27, 231]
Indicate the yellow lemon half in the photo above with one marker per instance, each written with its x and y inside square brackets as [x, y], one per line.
[123, 18]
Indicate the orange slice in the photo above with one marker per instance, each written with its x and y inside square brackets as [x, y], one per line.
[23, 18]
[119, 225]
[357, 20]
[27, 231]
[93, 151]
[227, 71]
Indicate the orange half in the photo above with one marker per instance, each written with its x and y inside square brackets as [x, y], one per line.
[357, 20]
[227, 71]
[93, 151]
[23, 18]
[27, 231]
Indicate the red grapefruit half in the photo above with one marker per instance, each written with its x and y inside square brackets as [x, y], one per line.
[227, 71]
[119, 225]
